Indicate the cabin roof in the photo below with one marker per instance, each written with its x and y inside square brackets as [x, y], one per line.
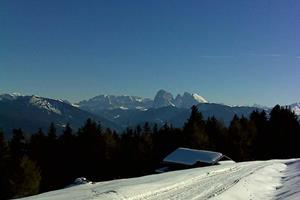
[188, 156]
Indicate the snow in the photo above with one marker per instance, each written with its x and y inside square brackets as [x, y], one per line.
[296, 108]
[43, 104]
[290, 182]
[191, 156]
[141, 108]
[17, 94]
[199, 98]
[124, 102]
[259, 185]
[274, 179]
[171, 103]
[75, 105]
[12, 96]
[138, 99]
[116, 116]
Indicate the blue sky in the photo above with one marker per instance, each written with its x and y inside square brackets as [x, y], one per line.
[234, 52]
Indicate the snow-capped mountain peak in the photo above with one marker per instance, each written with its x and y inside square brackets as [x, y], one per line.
[187, 100]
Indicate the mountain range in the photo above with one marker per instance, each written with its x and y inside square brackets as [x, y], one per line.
[115, 112]
[33, 112]
[161, 99]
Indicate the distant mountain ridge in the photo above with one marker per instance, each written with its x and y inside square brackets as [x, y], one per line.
[176, 116]
[33, 112]
[102, 102]
[161, 99]
[163, 108]
[115, 112]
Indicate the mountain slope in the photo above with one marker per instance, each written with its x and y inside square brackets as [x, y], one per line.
[131, 118]
[102, 102]
[33, 112]
[225, 113]
[176, 116]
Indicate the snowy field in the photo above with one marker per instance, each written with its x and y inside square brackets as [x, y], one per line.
[275, 179]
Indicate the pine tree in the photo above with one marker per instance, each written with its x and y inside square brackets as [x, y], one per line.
[138, 130]
[194, 131]
[67, 136]
[234, 139]
[146, 127]
[37, 145]
[52, 132]
[4, 168]
[91, 150]
[111, 154]
[26, 178]
[248, 135]
[67, 157]
[263, 135]
[285, 130]
[17, 145]
[155, 128]
[216, 132]
[145, 149]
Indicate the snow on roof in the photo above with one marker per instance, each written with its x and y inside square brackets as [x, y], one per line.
[192, 156]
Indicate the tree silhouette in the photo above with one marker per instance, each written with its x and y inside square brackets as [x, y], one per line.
[4, 168]
[194, 131]
[26, 178]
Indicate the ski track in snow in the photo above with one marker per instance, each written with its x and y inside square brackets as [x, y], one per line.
[247, 180]
[203, 186]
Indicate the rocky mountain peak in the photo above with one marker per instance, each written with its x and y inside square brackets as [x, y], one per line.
[163, 99]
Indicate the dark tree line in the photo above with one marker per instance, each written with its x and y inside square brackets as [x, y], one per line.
[50, 160]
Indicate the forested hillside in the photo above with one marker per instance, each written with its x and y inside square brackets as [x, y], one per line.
[49, 160]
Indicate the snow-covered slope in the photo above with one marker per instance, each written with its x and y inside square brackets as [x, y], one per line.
[273, 179]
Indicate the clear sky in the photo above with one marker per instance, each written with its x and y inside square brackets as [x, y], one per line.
[234, 52]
